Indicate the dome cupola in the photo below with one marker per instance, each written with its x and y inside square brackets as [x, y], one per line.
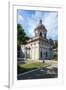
[40, 30]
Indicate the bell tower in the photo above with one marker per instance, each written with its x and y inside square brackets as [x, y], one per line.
[40, 30]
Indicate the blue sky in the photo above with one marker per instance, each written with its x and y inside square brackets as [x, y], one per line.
[29, 19]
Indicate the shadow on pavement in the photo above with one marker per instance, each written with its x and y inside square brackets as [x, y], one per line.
[41, 73]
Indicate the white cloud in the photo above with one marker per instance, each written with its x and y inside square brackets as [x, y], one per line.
[20, 18]
[34, 21]
[50, 23]
[49, 20]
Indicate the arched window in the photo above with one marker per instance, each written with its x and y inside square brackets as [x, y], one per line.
[40, 33]
[40, 54]
[46, 54]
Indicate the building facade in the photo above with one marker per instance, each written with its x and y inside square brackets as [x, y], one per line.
[38, 47]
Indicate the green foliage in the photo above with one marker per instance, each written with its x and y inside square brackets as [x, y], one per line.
[51, 42]
[55, 57]
[27, 67]
[55, 44]
[21, 35]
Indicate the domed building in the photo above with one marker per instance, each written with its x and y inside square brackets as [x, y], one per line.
[38, 47]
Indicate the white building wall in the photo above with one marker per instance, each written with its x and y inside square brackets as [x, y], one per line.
[44, 48]
[36, 48]
[35, 51]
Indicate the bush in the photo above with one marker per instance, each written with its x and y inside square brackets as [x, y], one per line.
[55, 56]
[22, 69]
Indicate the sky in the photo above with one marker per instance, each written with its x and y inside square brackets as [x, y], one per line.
[29, 19]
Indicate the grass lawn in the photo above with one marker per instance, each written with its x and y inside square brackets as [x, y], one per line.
[21, 68]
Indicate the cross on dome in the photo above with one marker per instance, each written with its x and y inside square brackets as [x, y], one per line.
[40, 21]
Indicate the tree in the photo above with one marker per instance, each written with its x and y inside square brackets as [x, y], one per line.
[55, 44]
[21, 35]
[51, 42]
